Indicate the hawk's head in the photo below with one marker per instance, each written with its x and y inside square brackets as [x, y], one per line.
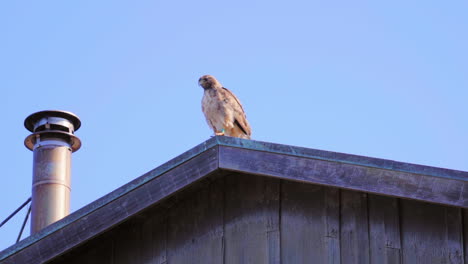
[209, 82]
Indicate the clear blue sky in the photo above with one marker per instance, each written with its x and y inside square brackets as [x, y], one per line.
[387, 79]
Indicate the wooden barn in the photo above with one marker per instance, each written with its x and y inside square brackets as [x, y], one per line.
[231, 200]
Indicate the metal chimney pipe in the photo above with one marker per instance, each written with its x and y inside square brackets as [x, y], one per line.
[52, 143]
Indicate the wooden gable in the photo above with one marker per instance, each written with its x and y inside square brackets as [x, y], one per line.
[239, 201]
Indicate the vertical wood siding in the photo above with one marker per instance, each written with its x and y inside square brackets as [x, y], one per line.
[250, 219]
[384, 230]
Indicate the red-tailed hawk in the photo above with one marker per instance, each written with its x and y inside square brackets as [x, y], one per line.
[223, 110]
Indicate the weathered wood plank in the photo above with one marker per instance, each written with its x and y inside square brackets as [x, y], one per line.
[127, 248]
[465, 234]
[349, 176]
[332, 222]
[272, 194]
[98, 250]
[302, 228]
[118, 210]
[309, 224]
[195, 227]
[251, 219]
[154, 238]
[431, 233]
[354, 228]
[454, 231]
[384, 228]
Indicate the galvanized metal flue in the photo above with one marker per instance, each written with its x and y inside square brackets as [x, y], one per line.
[52, 142]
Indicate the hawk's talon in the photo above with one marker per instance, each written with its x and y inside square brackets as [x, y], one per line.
[221, 133]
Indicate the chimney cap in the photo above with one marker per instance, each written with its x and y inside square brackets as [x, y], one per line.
[32, 119]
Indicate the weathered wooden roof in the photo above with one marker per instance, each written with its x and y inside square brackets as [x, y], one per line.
[223, 154]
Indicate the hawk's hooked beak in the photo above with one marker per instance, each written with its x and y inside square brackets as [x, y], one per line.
[201, 82]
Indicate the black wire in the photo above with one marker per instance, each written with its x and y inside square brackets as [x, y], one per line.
[24, 223]
[16, 211]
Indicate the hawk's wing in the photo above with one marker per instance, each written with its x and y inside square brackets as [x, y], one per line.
[240, 118]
